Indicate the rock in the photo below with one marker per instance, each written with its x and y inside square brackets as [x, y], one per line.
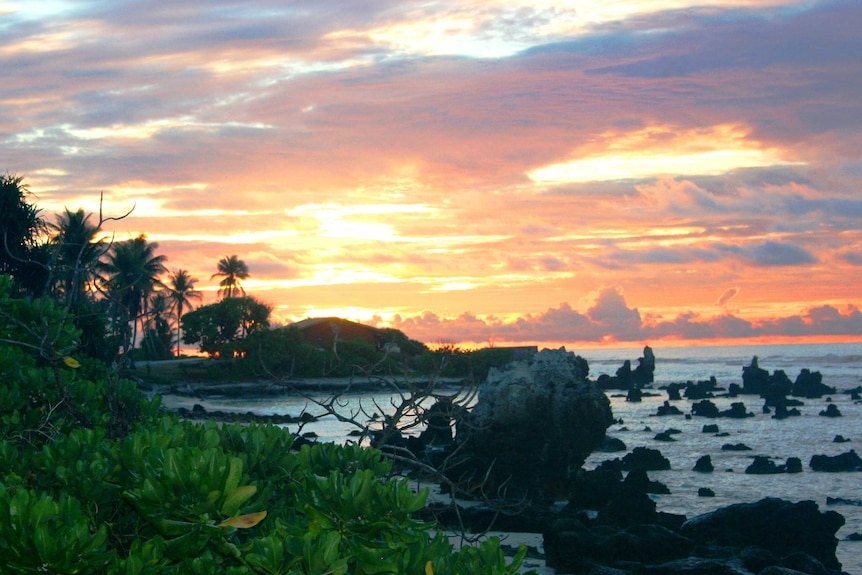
[762, 465]
[840, 439]
[803, 563]
[643, 374]
[624, 376]
[778, 526]
[701, 389]
[793, 465]
[843, 501]
[634, 395]
[593, 489]
[573, 548]
[645, 459]
[736, 411]
[810, 384]
[769, 536]
[776, 570]
[831, 411]
[754, 378]
[703, 464]
[611, 445]
[439, 418]
[735, 447]
[673, 391]
[705, 408]
[697, 566]
[534, 423]
[705, 492]
[664, 436]
[638, 481]
[849, 461]
[710, 428]
[631, 503]
[667, 409]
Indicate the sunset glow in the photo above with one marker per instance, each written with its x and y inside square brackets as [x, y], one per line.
[544, 172]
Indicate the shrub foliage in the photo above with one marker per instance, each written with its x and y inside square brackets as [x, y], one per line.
[95, 478]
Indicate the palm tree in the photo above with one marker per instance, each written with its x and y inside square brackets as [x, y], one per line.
[21, 227]
[133, 272]
[181, 290]
[77, 252]
[232, 269]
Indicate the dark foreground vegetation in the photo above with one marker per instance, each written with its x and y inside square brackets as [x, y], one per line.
[97, 478]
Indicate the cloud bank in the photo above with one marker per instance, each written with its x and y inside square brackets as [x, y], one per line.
[387, 158]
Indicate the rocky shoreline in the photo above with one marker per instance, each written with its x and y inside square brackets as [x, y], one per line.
[609, 523]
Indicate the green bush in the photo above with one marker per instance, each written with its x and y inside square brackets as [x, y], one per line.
[41, 534]
[95, 479]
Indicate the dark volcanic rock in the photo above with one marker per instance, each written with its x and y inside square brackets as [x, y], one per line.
[831, 411]
[768, 536]
[674, 390]
[849, 461]
[667, 409]
[619, 502]
[736, 411]
[611, 445]
[705, 408]
[754, 378]
[533, 424]
[643, 373]
[762, 465]
[705, 492]
[810, 384]
[793, 465]
[735, 447]
[573, 548]
[664, 436]
[703, 464]
[593, 489]
[646, 459]
[778, 526]
[701, 389]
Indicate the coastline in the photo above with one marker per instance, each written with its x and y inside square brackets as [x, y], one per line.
[797, 437]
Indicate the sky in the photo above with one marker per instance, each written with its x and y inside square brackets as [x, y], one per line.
[595, 172]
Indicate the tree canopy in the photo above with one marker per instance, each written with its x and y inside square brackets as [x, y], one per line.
[231, 269]
[219, 327]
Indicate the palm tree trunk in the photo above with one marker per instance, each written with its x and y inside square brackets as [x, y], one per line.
[179, 319]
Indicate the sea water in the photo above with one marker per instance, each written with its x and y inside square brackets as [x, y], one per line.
[799, 436]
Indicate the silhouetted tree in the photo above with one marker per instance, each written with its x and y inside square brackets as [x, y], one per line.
[132, 274]
[231, 269]
[22, 256]
[181, 291]
[77, 252]
[220, 327]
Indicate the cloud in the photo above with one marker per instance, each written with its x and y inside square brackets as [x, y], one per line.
[611, 314]
[239, 124]
[853, 258]
[771, 254]
[726, 296]
[611, 319]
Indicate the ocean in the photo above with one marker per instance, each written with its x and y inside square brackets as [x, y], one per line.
[799, 436]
